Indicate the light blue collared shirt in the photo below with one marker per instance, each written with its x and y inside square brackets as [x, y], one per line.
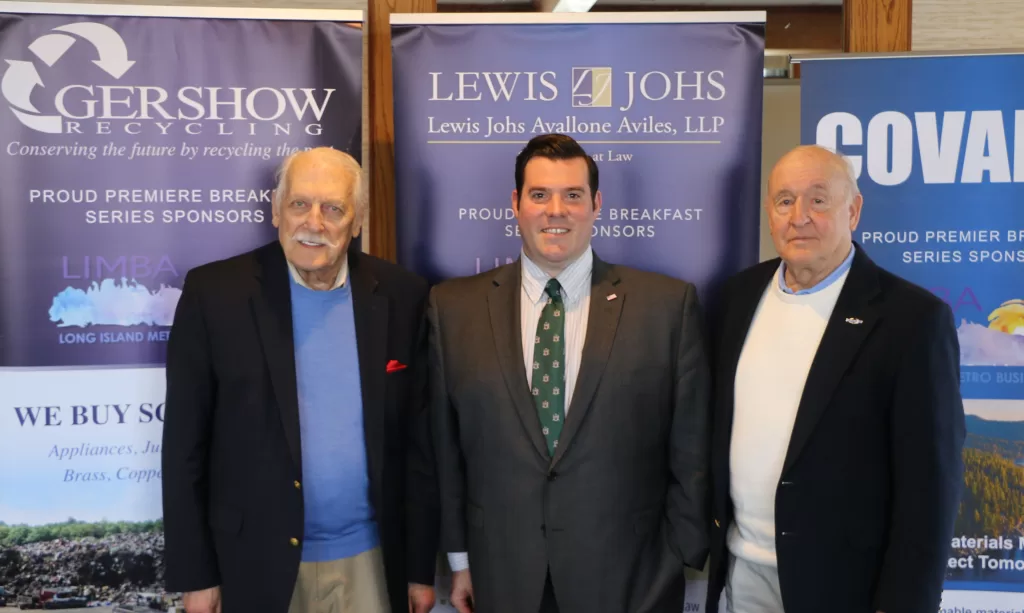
[829, 280]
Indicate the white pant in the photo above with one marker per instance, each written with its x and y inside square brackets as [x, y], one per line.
[752, 588]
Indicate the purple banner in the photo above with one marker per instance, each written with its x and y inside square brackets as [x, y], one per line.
[135, 148]
[671, 112]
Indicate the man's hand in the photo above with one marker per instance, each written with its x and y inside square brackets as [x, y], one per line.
[203, 601]
[421, 598]
[462, 591]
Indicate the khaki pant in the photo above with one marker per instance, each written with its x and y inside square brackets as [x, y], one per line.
[752, 588]
[349, 585]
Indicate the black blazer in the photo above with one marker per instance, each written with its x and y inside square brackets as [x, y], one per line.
[871, 482]
[232, 470]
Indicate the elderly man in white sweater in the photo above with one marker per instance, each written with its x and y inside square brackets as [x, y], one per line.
[839, 423]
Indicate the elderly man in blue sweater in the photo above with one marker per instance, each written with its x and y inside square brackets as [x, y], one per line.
[297, 463]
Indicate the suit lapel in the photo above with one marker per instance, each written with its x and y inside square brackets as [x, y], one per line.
[503, 303]
[602, 322]
[371, 321]
[852, 320]
[272, 308]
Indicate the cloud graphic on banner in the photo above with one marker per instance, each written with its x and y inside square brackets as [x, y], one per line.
[1001, 343]
[110, 303]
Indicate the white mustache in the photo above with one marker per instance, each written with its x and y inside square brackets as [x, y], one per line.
[316, 239]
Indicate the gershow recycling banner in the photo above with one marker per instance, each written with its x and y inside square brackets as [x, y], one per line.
[667, 104]
[938, 147]
[134, 146]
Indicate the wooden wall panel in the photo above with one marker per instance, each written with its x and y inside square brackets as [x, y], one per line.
[876, 25]
[804, 27]
[382, 122]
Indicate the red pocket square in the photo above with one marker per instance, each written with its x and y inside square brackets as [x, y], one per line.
[395, 366]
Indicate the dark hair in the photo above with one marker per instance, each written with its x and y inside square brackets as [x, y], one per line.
[554, 147]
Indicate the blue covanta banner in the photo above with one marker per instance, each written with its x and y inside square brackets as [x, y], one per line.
[667, 104]
[134, 147]
[938, 147]
[669, 109]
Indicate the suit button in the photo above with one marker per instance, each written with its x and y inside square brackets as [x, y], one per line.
[294, 541]
[298, 485]
[552, 476]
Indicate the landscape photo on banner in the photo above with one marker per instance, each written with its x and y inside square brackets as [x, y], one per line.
[937, 144]
[667, 104]
[135, 146]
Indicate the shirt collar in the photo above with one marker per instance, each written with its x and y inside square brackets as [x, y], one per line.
[574, 278]
[338, 282]
[827, 281]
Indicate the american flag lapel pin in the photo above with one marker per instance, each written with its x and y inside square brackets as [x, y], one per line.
[612, 297]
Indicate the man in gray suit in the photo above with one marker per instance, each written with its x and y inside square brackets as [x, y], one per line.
[571, 414]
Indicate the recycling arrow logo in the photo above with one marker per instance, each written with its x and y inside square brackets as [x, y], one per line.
[21, 77]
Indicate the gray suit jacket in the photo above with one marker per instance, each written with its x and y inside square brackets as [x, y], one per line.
[625, 501]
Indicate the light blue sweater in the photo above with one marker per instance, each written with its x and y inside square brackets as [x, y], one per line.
[339, 516]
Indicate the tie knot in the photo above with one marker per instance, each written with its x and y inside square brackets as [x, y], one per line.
[553, 289]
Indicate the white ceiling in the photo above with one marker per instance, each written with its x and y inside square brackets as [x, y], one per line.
[674, 3]
[730, 3]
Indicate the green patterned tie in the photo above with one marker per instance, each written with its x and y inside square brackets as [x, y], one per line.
[549, 366]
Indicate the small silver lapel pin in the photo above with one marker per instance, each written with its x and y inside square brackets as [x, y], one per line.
[612, 296]
[854, 321]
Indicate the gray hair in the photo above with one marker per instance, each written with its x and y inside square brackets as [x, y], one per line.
[357, 195]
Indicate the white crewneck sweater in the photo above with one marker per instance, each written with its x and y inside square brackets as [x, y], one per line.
[777, 355]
